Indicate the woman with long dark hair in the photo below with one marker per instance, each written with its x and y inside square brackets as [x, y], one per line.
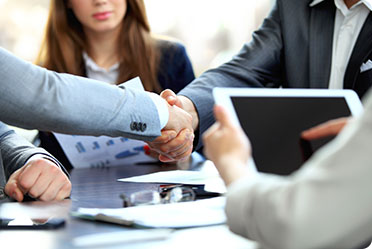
[109, 40]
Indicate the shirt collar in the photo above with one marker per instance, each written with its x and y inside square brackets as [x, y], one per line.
[89, 63]
[367, 3]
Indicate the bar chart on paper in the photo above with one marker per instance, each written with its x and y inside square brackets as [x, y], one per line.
[103, 151]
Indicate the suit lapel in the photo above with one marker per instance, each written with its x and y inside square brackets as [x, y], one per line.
[362, 49]
[322, 19]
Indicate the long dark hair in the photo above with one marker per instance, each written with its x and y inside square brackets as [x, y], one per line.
[64, 42]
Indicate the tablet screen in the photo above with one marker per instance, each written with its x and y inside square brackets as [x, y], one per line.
[274, 125]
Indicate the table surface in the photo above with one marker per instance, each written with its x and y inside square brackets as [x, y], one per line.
[98, 187]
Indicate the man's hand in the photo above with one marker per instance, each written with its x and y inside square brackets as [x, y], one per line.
[227, 146]
[182, 102]
[329, 128]
[173, 145]
[41, 179]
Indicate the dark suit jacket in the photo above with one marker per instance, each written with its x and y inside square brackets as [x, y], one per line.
[175, 72]
[292, 49]
[14, 152]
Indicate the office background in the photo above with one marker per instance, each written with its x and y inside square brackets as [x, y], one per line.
[212, 30]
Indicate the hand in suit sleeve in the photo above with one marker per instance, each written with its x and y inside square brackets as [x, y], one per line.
[35, 98]
[258, 64]
[41, 179]
[30, 169]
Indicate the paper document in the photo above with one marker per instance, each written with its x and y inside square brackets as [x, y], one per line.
[103, 151]
[121, 237]
[176, 215]
[210, 178]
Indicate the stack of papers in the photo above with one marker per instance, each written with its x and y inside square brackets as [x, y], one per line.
[210, 178]
[175, 215]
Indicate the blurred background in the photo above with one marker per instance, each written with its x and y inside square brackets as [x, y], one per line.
[212, 30]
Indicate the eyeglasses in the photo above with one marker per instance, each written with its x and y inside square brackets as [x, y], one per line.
[150, 197]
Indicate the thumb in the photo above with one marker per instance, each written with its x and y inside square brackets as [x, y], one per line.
[221, 116]
[171, 97]
[11, 187]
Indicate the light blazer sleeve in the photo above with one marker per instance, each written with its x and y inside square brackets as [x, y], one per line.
[258, 64]
[325, 204]
[15, 151]
[35, 98]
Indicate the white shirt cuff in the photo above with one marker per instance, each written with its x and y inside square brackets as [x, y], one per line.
[162, 107]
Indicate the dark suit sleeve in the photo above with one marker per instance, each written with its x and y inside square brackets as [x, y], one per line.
[258, 64]
[15, 151]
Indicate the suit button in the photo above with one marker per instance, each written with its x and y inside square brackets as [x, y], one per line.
[133, 126]
[2, 194]
[139, 126]
[144, 126]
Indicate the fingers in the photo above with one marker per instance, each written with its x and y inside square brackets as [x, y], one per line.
[170, 145]
[43, 186]
[179, 155]
[149, 152]
[58, 189]
[166, 136]
[222, 116]
[29, 176]
[211, 130]
[178, 119]
[176, 149]
[171, 97]
[12, 189]
[180, 158]
[330, 128]
[64, 192]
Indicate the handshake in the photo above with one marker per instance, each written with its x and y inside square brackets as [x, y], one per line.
[177, 137]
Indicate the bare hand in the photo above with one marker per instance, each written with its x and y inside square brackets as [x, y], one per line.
[183, 103]
[227, 146]
[176, 149]
[178, 119]
[41, 179]
[173, 146]
[329, 128]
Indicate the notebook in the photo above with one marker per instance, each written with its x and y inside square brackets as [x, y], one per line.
[273, 119]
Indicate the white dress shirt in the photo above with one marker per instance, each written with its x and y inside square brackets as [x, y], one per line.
[348, 24]
[93, 71]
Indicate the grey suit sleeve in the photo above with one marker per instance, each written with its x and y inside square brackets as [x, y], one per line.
[258, 64]
[35, 98]
[15, 151]
[326, 204]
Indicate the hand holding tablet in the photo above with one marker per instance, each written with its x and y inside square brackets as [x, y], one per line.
[274, 119]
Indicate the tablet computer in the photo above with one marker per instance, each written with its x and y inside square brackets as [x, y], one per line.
[273, 119]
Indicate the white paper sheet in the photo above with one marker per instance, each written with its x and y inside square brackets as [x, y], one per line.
[208, 176]
[121, 237]
[103, 151]
[176, 215]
